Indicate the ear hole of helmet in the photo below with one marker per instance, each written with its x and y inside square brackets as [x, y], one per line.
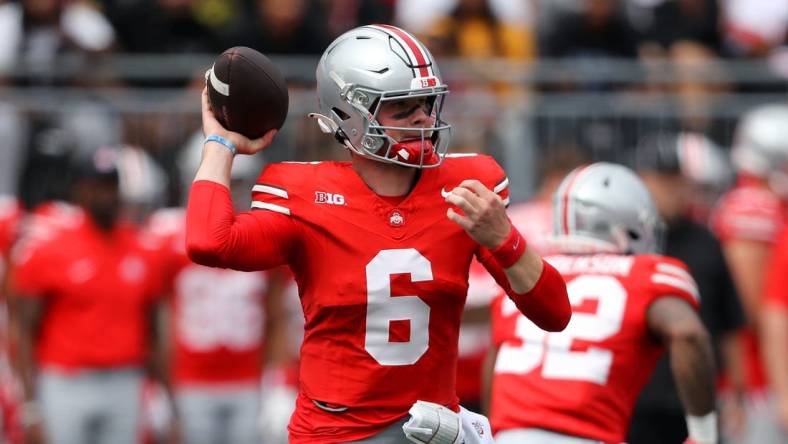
[633, 235]
[340, 136]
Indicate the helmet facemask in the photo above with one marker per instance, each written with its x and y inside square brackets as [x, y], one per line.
[420, 147]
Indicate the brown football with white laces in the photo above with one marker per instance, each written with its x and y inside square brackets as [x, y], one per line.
[247, 92]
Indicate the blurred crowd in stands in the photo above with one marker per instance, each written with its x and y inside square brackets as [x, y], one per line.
[33, 31]
[682, 50]
[671, 48]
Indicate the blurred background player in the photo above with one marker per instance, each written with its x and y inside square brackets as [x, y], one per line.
[87, 284]
[676, 167]
[222, 325]
[775, 330]
[706, 170]
[629, 305]
[747, 221]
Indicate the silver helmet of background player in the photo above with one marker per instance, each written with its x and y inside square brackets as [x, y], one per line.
[760, 145]
[604, 207]
[371, 65]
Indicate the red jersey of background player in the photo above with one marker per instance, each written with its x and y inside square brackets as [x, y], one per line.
[217, 314]
[584, 381]
[10, 392]
[64, 257]
[381, 316]
[10, 215]
[750, 212]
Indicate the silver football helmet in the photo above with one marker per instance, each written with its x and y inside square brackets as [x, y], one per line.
[760, 145]
[604, 207]
[372, 65]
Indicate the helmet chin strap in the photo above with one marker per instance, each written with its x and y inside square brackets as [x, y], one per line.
[409, 151]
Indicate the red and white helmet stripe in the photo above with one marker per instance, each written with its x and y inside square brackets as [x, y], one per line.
[419, 58]
[566, 221]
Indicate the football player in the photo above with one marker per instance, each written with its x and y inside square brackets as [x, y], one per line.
[629, 305]
[87, 283]
[380, 246]
[747, 220]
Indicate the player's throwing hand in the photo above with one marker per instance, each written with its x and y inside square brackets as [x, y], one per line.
[484, 216]
[243, 145]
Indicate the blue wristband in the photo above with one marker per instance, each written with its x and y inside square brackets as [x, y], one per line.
[219, 139]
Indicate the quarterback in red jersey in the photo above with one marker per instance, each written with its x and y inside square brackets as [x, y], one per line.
[380, 246]
[580, 385]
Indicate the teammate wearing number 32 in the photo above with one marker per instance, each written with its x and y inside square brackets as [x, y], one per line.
[380, 246]
[579, 386]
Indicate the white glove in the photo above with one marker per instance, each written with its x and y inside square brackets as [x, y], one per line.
[702, 429]
[433, 423]
[276, 407]
[476, 427]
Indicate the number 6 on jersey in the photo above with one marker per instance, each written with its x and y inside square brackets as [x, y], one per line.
[382, 308]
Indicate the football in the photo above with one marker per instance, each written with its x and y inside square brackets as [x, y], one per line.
[247, 92]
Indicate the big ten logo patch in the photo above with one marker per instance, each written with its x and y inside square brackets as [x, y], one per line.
[321, 197]
[424, 82]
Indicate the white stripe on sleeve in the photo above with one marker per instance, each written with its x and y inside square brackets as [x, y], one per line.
[681, 284]
[271, 207]
[501, 186]
[673, 269]
[270, 190]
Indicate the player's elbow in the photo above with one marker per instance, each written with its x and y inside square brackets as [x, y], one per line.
[687, 331]
[556, 323]
[561, 316]
[204, 250]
